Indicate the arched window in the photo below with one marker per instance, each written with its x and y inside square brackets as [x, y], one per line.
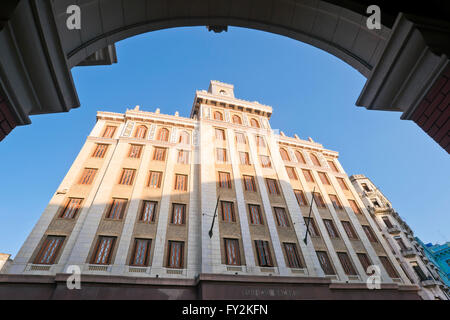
[300, 157]
[284, 155]
[315, 160]
[184, 138]
[163, 134]
[237, 119]
[140, 133]
[218, 115]
[254, 123]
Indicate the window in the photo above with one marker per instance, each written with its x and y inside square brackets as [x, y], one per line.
[254, 123]
[418, 270]
[354, 206]
[308, 175]
[100, 151]
[140, 133]
[255, 214]
[301, 199]
[221, 155]
[349, 230]
[176, 250]
[183, 157]
[323, 177]
[243, 156]
[346, 263]
[71, 209]
[178, 213]
[365, 262]
[265, 162]
[387, 222]
[375, 203]
[154, 180]
[311, 226]
[109, 132]
[282, 218]
[232, 255]
[291, 173]
[389, 267]
[335, 201]
[228, 211]
[342, 183]
[184, 138]
[332, 166]
[272, 186]
[135, 151]
[224, 180]
[240, 138]
[236, 119]
[218, 116]
[181, 182]
[369, 233]
[249, 183]
[400, 243]
[148, 213]
[293, 258]
[365, 187]
[260, 142]
[159, 154]
[141, 252]
[117, 209]
[263, 252]
[49, 250]
[325, 262]
[220, 134]
[103, 250]
[331, 229]
[88, 176]
[127, 177]
[284, 155]
[315, 160]
[163, 134]
[319, 200]
[300, 157]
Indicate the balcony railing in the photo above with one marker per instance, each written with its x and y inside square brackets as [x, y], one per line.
[394, 230]
[408, 252]
[430, 282]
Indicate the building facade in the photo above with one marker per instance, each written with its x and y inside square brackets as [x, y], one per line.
[5, 261]
[398, 235]
[215, 197]
[439, 256]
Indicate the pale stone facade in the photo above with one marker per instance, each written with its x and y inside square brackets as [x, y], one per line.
[5, 261]
[268, 243]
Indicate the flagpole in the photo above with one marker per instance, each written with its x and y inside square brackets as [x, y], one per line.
[309, 217]
[210, 233]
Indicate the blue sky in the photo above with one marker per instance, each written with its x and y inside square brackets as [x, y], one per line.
[312, 93]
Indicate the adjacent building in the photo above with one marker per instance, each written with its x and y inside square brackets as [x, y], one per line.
[5, 261]
[439, 255]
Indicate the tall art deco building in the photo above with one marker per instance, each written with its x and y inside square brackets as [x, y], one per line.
[136, 211]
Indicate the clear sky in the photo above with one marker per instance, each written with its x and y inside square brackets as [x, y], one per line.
[312, 94]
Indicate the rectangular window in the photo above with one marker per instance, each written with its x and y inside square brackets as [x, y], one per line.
[88, 176]
[325, 263]
[387, 222]
[183, 157]
[176, 250]
[342, 183]
[117, 209]
[148, 213]
[71, 209]
[365, 187]
[232, 255]
[293, 258]
[154, 180]
[159, 154]
[389, 267]
[263, 251]
[319, 200]
[331, 229]
[272, 186]
[103, 250]
[282, 218]
[418, 270]
[243, 156]
[311, 225]
[260, 142]
[228, 211]
[255, 214]
[354, 206]
[141, 252]
[240, 138]
[365, 262]
[335, 201]
[400, 243]
[346, 263]
[249, 183]
[349, 230]
[265, 162]
[49, 250]
[369, 232]
[308, 175]
[135, 151]
[109, 132]
[323, 177]
[332, 166]
[224, 180]
[301, 199]
[127, 177]
[178, 213]
[100, 151]
[221, 155]
[220, 134]
[291, 173]
[181, 182]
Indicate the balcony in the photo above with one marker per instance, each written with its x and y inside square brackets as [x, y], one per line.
[408, 252]
[394, 230]
[430, 282]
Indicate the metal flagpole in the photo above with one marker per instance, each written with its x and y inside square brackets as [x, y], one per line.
[210, 233]
[309, 217]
